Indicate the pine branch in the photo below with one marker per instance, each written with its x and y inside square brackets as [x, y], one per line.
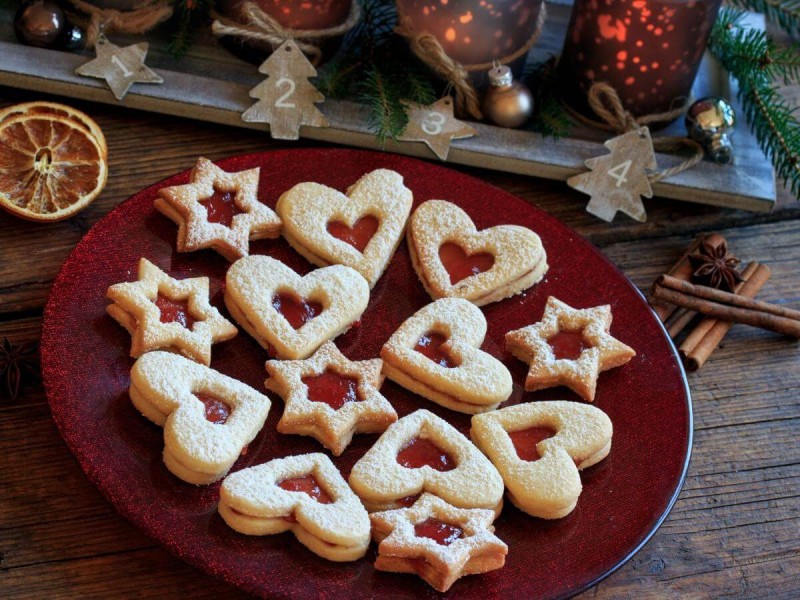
[549, 116]
[785, 13]
[752, 58]
[388, 116]
[189, 16]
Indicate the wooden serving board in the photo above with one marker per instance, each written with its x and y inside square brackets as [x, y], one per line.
[210, 84]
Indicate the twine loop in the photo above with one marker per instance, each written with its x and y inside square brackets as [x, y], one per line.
[262, 27]
[427, 48]
[145, 15]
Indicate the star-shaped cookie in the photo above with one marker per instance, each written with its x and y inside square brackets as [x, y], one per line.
[568, 347]
[218, 210]
[329, 397]
[437, 541]
[163, 313]
[121, 67]
[435, 126]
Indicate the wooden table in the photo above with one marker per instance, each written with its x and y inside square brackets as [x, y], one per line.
[735, 530]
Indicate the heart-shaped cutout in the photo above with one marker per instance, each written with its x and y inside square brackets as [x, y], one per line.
[304, 494]
[311, 309]
[208, 418]
[444, 463]
[360, 229]
[455, 260]
[436, 353]
[539, 447]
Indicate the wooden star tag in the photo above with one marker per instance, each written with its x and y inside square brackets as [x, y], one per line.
[435, 126]
[120, 67]
[617, 180]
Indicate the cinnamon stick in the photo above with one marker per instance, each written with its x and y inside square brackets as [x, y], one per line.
[679, 320]
[707, 335]
[683, 270]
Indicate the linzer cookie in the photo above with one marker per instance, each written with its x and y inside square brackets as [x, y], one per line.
[292, 315]
[218, 210]
[422, 452]
[360, 229]
[538, 447]
[329, 397]
[304, 494]
[436, 353]
[453, 259]
[163, 313]
[568, 347]
[437, 541]
[208, 418]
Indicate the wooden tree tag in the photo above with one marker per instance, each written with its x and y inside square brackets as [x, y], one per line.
[617, 180]
[436, 126]
[286, 98]
[120, 66]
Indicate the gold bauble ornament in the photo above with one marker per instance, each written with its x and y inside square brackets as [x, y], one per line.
[506, 103]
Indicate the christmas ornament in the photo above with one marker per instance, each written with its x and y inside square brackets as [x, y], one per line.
[710, 121]
[121, 67]
[617, 180]
[286, 98]
[435, 126]
[506, 103]
[43, 23]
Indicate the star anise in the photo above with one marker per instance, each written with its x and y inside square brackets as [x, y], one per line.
[18, 361]
[715, 267]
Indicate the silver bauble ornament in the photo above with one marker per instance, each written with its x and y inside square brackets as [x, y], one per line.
[710, 122]
[506, 103]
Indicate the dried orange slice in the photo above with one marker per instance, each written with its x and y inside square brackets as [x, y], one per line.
[51, 167]
[61, 110]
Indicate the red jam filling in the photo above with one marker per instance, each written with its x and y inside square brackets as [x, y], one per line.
[421, 452]
[295, 310]
[174, 311]
[331, 388]
[430, 345]
[221, 207]
[460, 265]
[217, 411]
[306, 484]
[525, 441]
[407, 501]
[568, 344]
[440, 532]
[359, 235]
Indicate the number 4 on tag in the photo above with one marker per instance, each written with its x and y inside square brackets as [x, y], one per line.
[618, 180]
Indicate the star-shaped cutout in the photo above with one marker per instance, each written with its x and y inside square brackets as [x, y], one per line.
[568, 347]
[435, 126]
[163, 313]
[329, 397]
[218, 210]
[437, 541]
[121, 67]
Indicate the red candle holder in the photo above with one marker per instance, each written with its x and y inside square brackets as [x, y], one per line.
[647, 50]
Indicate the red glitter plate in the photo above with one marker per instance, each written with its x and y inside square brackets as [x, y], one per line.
[86, 370]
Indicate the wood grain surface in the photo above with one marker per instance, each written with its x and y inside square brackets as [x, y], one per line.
[734, 532]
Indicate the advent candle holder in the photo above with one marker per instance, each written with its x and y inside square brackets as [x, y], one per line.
[647, 50]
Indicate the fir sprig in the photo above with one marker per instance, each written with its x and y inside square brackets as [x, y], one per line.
[752, 58]
[189, 16]
[785, 13]
[549, 117]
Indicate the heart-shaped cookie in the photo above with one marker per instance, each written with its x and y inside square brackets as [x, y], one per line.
[436, 353]
[538, 447]
[208, 418]
[360, 229]
[305, 494]
[455, 260]
[292, 315]
[424, 453]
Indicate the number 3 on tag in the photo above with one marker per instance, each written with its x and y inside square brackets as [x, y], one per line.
[432, 123]
[282, 102]
[620, 172]
[121, 66]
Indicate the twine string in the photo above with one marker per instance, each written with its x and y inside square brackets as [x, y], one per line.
[145, 15]
[262, 27]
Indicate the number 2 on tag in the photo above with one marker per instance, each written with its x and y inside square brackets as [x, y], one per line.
[620, 172]
[432, 123]
[121, 66]
[282, 102]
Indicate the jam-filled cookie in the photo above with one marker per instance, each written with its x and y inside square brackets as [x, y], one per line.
[424, 453]
[455, 260]
[538, 447]
[304, 494]
[436, 353]
[208, 418]
[360, 229]
[437, 541]
[292, 315]
[329, 397]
